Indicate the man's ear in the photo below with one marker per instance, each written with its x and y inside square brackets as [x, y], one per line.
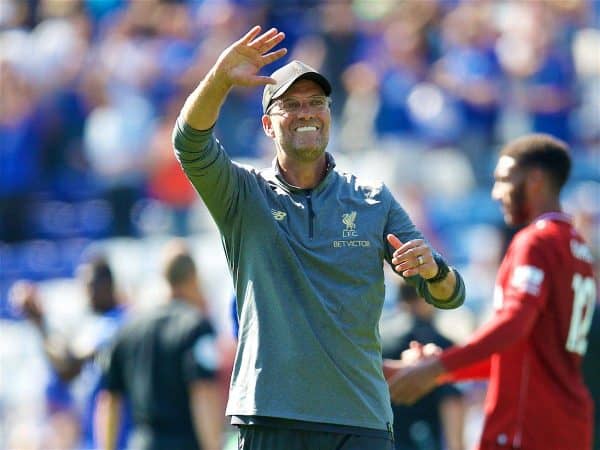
[538, 175]
[536, 180]
[268, 126]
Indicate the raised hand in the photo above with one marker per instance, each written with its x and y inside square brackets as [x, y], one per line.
[24, 298]
[240, 63]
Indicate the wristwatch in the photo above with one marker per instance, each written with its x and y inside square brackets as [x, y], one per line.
[442, 272]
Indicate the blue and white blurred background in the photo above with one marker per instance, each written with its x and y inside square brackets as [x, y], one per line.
[425, 93]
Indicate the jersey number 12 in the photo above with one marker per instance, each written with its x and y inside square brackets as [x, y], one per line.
[583, 309]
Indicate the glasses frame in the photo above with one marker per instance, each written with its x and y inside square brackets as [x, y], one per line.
[303, 104]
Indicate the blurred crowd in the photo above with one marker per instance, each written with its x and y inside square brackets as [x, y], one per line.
[425, 92]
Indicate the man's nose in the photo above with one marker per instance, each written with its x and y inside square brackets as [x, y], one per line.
[495, 194]
[306, 109]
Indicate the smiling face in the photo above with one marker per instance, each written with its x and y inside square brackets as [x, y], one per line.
[299, 135]
[510, 190]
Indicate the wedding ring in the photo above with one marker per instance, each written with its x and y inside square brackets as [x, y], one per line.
[420, 260]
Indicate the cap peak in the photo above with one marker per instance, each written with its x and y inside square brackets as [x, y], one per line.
[287, 75]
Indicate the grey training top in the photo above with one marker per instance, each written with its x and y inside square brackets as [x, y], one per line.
[307, 267]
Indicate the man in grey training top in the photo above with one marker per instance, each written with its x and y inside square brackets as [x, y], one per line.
[305, 244]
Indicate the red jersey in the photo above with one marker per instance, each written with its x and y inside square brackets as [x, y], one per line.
[544, 300]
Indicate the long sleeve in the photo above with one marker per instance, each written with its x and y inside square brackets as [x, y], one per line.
[478, 371]
[209, 168]
[457, 298]
[513, 323]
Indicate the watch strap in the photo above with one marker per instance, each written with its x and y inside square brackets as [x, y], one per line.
[442, 272]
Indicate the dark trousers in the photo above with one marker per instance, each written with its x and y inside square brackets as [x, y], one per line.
[256, 437]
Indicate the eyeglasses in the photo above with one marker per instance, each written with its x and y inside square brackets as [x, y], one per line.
[294, 106]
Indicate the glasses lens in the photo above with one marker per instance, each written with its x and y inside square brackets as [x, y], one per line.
[291, 105]
[294, 106]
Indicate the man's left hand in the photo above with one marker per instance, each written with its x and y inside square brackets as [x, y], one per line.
[414, 257]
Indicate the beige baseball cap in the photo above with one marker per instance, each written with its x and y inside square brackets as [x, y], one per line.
[286, 76]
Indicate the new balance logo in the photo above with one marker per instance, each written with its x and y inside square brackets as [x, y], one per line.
[278, 215]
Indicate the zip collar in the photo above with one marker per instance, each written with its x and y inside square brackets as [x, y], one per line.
[330, 161]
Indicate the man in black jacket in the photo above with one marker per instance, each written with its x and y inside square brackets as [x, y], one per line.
[165, 363]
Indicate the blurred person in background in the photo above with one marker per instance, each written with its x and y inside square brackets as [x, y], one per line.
[305, 243]
[341, 35]
[532, 348]
[73, 359]
[405, 55]
[470, 73]
[356, 124]
[166, 181]
[25, 114]
[540, 71]
[437, 420]
[165, 362]
[20, 169]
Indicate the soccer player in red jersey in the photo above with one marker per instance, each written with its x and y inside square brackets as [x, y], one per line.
[545, 293]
